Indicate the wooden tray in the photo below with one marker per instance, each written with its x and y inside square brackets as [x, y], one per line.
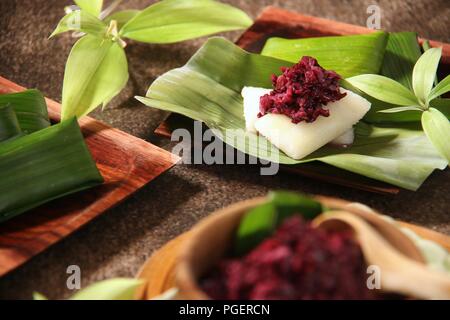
[159, 271]
[274, 22]
[125, 162]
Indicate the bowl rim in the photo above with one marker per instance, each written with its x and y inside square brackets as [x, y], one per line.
[185, 277]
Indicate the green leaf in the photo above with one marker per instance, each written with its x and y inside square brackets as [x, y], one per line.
[443, 105]
[255, 226]
[261, 221]
[96, 71]
[426, 46]
[375, 116]
[171, 21]
[81, 21]
[111, 289]
[94, 7]
[9, 125]
[46, 164]
[400, 109]
[424, 73]
[402, 52]
[30, 109]
[441, 88]
[122, 17]
[208, 89]
[384, 89]
[437, 128]
[347, 55]
[289, 203]
[39, 296]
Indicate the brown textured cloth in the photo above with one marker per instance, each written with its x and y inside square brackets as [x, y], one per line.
[118, 242]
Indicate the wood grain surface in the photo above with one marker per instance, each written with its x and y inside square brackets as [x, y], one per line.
[275, 22]
[126, 164]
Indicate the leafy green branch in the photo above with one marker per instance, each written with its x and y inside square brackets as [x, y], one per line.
[97, 70]
[434, 123]
[114, 289]
[111, 289]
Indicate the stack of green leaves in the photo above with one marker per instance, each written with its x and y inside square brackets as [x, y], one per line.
[9, 124]
[111, 289]
[208, 88]
[30, 109]
[39, 162]
[262, 221]
[97, 68]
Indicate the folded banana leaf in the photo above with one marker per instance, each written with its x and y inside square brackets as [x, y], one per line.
[9, 125]
[30, 109]
[347, 55]
[208, 89]
[43, 166]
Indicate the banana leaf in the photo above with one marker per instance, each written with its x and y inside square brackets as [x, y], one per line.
[208, 89]
[43, 166]
[30, 109]
[9, 125]
[347, 55]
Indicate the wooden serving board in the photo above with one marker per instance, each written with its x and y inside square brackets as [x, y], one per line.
[159, 271]
[126, 163]
[275, 22]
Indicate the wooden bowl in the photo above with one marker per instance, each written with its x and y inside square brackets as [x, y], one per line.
[210, 240]
[183, 260]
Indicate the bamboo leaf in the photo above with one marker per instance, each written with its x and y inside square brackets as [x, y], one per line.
[261, 221]
[347, 55]
[426, 46]
[111, 289]
[122, 17]
[441, 88]
[171, 21]
[30, 109]
[81, 21]
[94, 7]
[289, 203]
[384, 89]
[47, 164]
[255, 226]
[437, 128]
[208, 89]
[402, 52]
[401, 109]
[96, 71]
[443, 105]
[9, 125]
[39, 296]
[375, 116]
[424, 73]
